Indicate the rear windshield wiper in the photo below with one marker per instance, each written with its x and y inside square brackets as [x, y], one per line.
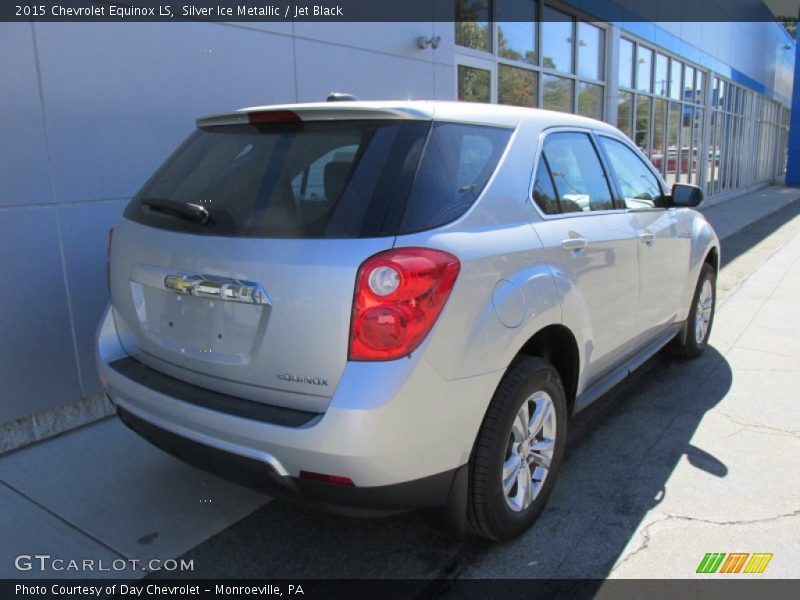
[183, 210]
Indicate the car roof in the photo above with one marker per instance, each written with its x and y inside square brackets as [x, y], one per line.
[464, 112]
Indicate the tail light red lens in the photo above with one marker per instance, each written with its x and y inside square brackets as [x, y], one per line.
[399, 295]
[108, 257]
[336, 479]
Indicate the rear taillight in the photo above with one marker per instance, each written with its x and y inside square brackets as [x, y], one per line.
[108, 257]
[399, 295]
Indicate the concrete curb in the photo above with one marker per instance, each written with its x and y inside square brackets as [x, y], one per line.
[36, 428]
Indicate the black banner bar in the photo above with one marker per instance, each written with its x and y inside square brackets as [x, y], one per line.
[740, 588]
[377, 10]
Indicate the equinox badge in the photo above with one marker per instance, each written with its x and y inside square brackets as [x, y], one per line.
[301, 379]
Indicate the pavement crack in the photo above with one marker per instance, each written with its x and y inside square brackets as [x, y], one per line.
[787, 515]
[646, 538]
[645, 533]
[758, 426]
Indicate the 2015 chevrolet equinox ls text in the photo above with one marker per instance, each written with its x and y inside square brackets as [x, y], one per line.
[392, 305]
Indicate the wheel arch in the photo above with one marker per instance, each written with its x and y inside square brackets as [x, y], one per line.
[557, 345]
[712, 258]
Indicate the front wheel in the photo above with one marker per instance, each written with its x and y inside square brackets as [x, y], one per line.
[692, 340]
[518, 450]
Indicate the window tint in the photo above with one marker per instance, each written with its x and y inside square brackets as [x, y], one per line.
[577, 173]
[638, 186]
[321, 179]
[299, 180]
[544, 194]
[458, 161]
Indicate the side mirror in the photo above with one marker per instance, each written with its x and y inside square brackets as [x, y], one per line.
[686, 196]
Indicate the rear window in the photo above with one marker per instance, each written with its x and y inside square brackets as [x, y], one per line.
[320, 179]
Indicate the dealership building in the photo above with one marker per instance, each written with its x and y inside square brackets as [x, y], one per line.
[91, 109]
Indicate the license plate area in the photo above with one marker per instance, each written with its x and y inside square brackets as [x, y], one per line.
[201, 328]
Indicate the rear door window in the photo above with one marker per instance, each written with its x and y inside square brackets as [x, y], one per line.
[544, 192]
[577, 173]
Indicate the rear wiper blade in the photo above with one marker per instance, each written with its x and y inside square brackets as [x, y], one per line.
[183, 210]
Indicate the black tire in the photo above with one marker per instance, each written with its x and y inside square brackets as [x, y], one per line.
[685, 345]
[489, 514]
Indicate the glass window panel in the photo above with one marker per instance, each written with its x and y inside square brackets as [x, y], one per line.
[590, 100]
[721, 91]
[473, 24]
[516, 86]
[557, 40]
[625, 63]
[688, 83]
[625, 113]
[473, 84]
[516, 30]
[642, 135]
[544, 194]
[730, 98]
[714, 152]
[673, 128]
[700, 87]
[659, 129]
[726, 144]
[578, 175]
[556, 93]
[644, 69]
[638, 186]
[661, 83]
[675, 80]
[686, 155]
[699, 152]
[590, 51]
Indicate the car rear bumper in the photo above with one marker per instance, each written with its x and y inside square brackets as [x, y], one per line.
[397, 429]
[262, 476]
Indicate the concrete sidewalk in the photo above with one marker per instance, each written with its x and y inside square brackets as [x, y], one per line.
[739, 490]
[101, 492]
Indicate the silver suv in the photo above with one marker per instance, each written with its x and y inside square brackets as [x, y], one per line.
[389, 305]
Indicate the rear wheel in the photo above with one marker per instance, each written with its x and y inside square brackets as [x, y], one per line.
[691, 342]
[518, 450]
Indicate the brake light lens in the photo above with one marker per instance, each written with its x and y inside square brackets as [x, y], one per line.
[273, 116]
[108, 257]
[399, 295]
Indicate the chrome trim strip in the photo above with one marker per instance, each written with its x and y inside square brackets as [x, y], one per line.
[218, 288]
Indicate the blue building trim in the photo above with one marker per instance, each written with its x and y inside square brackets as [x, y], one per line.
[630, 21]
[793, 159]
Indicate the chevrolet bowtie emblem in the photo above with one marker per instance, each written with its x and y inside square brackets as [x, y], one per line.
[218, 288]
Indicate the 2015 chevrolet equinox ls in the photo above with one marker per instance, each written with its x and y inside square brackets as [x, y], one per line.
[390, 305]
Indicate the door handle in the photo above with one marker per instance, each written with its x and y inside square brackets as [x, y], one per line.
[647, 237]
[573, 243]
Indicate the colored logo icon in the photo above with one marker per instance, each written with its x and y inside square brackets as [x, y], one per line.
[734, 562]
